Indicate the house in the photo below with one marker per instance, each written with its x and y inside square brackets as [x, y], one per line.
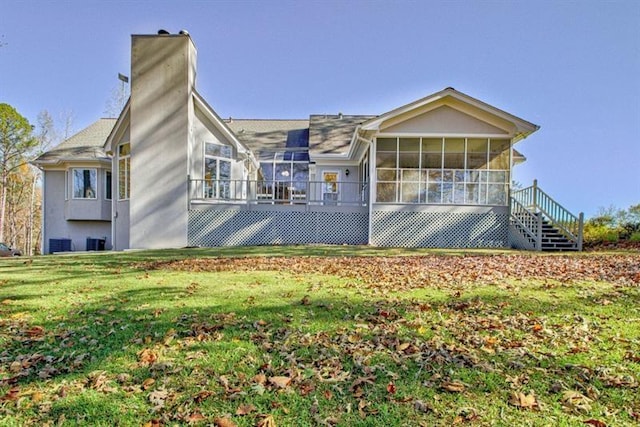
[170, 172]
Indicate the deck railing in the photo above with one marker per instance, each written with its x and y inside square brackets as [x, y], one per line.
[279, 192]
[538, 202]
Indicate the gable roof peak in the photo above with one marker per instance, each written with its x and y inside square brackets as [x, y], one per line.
[522, 127]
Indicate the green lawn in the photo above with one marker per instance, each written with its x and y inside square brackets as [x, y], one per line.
[297, 336]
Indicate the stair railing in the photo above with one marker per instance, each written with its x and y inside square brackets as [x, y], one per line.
[528, 223]
[537, 201]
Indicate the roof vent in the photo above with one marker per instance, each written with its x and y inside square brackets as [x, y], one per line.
[163, 32]
[184, 33]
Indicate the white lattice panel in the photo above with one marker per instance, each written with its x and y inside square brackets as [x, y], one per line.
[210, 228]
[440, 229]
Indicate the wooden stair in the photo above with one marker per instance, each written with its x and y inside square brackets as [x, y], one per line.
[539, 223]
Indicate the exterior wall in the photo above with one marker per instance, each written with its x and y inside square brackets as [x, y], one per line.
[444, 120]
[98, 209]
[162, 76]
[206, 132]
[55, 226]
[120, 208]
[120, 232]
[348, 188]
[439, 226]
[248, 225]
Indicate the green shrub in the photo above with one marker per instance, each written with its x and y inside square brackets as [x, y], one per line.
[628, 229]
[597, 233]
[635, 237]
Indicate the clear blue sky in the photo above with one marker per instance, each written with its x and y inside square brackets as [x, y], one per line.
[571, 67]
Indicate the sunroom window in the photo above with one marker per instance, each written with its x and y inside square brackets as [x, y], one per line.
[285, 177]
[217, 171]
[462, 171]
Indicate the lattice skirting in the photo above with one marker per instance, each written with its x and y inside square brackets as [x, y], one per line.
[440, 229]
[210, 228]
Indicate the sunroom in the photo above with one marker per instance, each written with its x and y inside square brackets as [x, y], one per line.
[443, 170]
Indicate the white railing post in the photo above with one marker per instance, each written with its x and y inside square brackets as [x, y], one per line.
[580, 229]
[539, 232]
[534, 195]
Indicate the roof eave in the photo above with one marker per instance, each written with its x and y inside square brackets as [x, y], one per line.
[116, 128]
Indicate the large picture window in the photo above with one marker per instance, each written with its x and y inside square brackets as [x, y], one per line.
[217, 171]
[124, 171]
[464, 171]
[84, 183]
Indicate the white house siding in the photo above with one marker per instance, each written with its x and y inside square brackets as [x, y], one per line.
[205, 132]
[349, 188]
[444, 120]
[163, 74]
[55, 226]
[432, 226]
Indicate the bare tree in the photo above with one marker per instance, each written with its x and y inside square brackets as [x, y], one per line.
[118, 98]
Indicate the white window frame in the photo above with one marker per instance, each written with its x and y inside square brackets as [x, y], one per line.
[484, 185]
[127, 179]
[217, 190]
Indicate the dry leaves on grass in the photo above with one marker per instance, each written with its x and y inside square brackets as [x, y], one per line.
[524, 401]
[411, 272]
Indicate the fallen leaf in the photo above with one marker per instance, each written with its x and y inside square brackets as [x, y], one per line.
[202, 395]
[420, 406]
[146, 384]
[266, 420]
[521, 400]
[224, 422]
[402, 347]
[36, 331]
[195, 418]
[158, 398]
[280, 382]
[391, 388]
[574, 401]
[453, 386]
[12, 394]
[147, 356]
[245, 409]
[259, 379]
[596, 423]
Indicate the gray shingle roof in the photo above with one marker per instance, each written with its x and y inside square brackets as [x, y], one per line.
[265, 137]
[84, 145]
[327, 134]
[332, 134]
